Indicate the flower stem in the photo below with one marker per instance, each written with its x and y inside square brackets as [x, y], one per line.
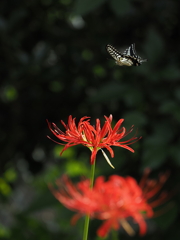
[92, 174]
[86, 227]
[86, 224]
[114, 235]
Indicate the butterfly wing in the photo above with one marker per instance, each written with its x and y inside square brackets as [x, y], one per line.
[114, 52]
[127, 51]
[127, 58]
[130, 51]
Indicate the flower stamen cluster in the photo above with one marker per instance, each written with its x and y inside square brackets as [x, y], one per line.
[95, 138]
[113, 201]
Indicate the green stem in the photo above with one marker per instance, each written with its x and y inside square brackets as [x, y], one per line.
[86, 224]
[114, 234]
[92, 174]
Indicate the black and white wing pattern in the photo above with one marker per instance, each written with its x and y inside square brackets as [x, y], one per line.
[127, 58]
[130, 51]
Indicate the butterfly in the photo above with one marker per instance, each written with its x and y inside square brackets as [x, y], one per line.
[127, 58]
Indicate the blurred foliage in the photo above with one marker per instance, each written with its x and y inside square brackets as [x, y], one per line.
[53, 64]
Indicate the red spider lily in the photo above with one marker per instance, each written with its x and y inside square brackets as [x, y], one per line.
[113, 201]
[95, 138]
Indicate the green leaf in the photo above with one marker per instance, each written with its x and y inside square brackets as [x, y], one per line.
[69, 153]
[171, 72]
[154, 45]
[75, 168]
[10, 93]
[99, 71]
[135, 118]
[175, 153]
[154, 157]
[83, 7]
[110, 91]
[120, 8]
[87, 55]
[10, 175]
[168, 217]
[4, 232]
[5, 188]
[43, 201]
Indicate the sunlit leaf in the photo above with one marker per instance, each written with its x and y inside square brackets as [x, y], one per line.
[10, 93]
[76, 168]
[10, 175]
[4, 232]
[5, 188]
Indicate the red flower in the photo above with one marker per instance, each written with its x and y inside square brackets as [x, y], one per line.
[95, 138]
[113, 201]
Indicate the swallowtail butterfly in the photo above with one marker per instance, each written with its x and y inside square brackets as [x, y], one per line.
[127, 58]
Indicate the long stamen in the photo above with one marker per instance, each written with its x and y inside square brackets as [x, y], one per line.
[127, 227]
[107, 159]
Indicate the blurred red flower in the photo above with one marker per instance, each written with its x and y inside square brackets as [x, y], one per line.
[95, 138]
[114, 201]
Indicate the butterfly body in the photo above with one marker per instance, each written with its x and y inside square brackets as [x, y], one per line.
[127, 58]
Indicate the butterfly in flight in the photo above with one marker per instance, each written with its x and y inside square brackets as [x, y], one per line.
[127, 58]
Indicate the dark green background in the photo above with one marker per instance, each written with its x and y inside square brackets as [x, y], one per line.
[53, 64]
